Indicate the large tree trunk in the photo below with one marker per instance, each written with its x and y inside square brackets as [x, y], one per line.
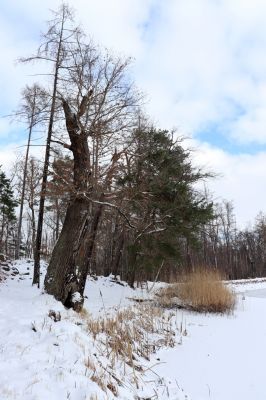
[86, 248]
[69, 265]
[62, 279]
[67, 271]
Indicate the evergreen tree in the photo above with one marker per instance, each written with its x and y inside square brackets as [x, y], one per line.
[165, 205]
[7, 212]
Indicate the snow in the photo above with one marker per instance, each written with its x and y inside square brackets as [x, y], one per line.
[222, 357]
[41, 358]
[215, 357]
[76, 297]
[257, 293]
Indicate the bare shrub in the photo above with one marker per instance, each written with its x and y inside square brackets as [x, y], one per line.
[201, 290]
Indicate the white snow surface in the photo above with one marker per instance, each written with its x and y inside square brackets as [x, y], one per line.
[215, 357]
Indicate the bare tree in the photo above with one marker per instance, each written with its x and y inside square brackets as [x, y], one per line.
[32, 109]
[99, 104]
[27, 185]
[53, 49]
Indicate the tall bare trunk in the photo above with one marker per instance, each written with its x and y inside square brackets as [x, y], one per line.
[114, 269]
[17, 251]
[37, 252]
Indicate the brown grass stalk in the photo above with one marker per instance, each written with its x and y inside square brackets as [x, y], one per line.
[202, 290]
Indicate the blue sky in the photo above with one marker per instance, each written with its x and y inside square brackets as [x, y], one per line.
[201, 63]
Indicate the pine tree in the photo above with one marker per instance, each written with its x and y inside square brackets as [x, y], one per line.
[7, 212]
[165, 206]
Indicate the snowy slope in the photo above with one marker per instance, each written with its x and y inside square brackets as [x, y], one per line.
[215, 357]
[41, 359]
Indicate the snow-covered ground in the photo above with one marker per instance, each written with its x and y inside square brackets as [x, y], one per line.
[214, 357]
[222, 357]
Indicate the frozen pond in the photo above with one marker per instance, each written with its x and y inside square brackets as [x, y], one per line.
[256, 293]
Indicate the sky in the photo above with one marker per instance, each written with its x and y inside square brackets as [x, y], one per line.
[200, 63]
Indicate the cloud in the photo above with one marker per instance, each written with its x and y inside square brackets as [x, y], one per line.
[14, 150]
[208, 57]
[193, 59]
[4, 128]
[8, 155]
[202, 64]
[240, 178]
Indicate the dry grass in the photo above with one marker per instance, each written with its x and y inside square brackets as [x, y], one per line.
[125, 340]
[129, 334]
[93, 397]
[202, 290]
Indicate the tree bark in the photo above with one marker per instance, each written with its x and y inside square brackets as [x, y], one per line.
[117, 255]
[62, 275]
[68, 268]
[87, 247]
[37, 251]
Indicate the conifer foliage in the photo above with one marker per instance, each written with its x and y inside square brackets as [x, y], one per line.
[7, 214]
[164, 206]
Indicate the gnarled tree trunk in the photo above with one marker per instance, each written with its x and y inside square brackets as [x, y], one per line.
[68, 265]
[62, 278]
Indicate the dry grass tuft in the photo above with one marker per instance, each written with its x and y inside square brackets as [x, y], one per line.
[84, 313]
[202, 290]
[99, 379]
[125, 339]
[128, 334]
